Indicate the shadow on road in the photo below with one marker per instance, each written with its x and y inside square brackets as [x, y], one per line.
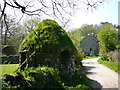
[95, 85]
[88, 69]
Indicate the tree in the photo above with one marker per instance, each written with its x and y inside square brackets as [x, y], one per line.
[87, 29]
[52, 8]
[13, 33]
[8, 26]
[79, 34]
[107, 38]
[58, 9]
[30, 24]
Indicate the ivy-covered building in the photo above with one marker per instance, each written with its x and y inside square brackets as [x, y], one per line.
[49, 45]
[90, 45]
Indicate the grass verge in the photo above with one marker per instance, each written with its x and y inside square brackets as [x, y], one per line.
[8, 68]
[112, 65]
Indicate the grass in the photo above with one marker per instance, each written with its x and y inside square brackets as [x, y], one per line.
[112, 65]
[8, 68]
[88, 57]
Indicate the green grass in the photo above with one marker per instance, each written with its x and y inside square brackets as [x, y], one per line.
[8, 68]
[112, 65]
[88, 57]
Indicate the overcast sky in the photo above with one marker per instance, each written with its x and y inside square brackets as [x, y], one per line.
[106, 12]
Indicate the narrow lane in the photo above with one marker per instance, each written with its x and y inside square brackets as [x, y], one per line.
[99, 75]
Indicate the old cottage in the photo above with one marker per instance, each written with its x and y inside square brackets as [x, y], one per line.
[49, 45]
[90, 45]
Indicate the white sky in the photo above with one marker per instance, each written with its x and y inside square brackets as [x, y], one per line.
[106, 12]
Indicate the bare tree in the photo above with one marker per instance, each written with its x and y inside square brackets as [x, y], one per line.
[30, 24]
[10, 28]
[58, 9]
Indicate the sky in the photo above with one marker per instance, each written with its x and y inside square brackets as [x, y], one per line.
[106, 12]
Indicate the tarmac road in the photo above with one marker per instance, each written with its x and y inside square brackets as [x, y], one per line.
[100, 76]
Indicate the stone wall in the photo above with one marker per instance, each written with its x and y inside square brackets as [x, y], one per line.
[64, 61]
[115, 57]
[10, 59]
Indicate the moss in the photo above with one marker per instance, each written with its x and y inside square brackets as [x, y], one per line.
[51, 44]
[48, 35]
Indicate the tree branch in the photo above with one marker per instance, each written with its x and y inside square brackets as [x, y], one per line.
[3, 10]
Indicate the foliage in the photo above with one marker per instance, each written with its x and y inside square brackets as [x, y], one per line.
[47, 36]
[30, 24]
[111, 56]
[43, 77]
[118, 46]
[112, 65]
[14, 32]
[8, 68]
[107, 37]
[77, 36]
[76, 41]
[87, 29]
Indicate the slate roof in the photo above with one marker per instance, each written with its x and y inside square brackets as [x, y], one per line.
[90, 42]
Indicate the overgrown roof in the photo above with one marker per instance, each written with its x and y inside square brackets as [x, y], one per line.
[48, 35]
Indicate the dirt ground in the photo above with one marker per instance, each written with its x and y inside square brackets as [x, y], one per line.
[100, 77]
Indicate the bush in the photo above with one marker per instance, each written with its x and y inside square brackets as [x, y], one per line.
[41, 77]
[111, 56]
[44, 77]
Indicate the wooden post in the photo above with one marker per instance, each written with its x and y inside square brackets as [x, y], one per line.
[23, 57]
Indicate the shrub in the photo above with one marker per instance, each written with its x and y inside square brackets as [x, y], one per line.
[44, 77]
[111, 56]
[41, 77]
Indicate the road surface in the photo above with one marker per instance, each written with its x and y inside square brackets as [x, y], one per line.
[99, 75]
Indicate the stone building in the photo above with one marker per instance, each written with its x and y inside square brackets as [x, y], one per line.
[48, 45]
[90, 45]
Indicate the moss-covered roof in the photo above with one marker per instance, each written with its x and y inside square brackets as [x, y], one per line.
[46, 36]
